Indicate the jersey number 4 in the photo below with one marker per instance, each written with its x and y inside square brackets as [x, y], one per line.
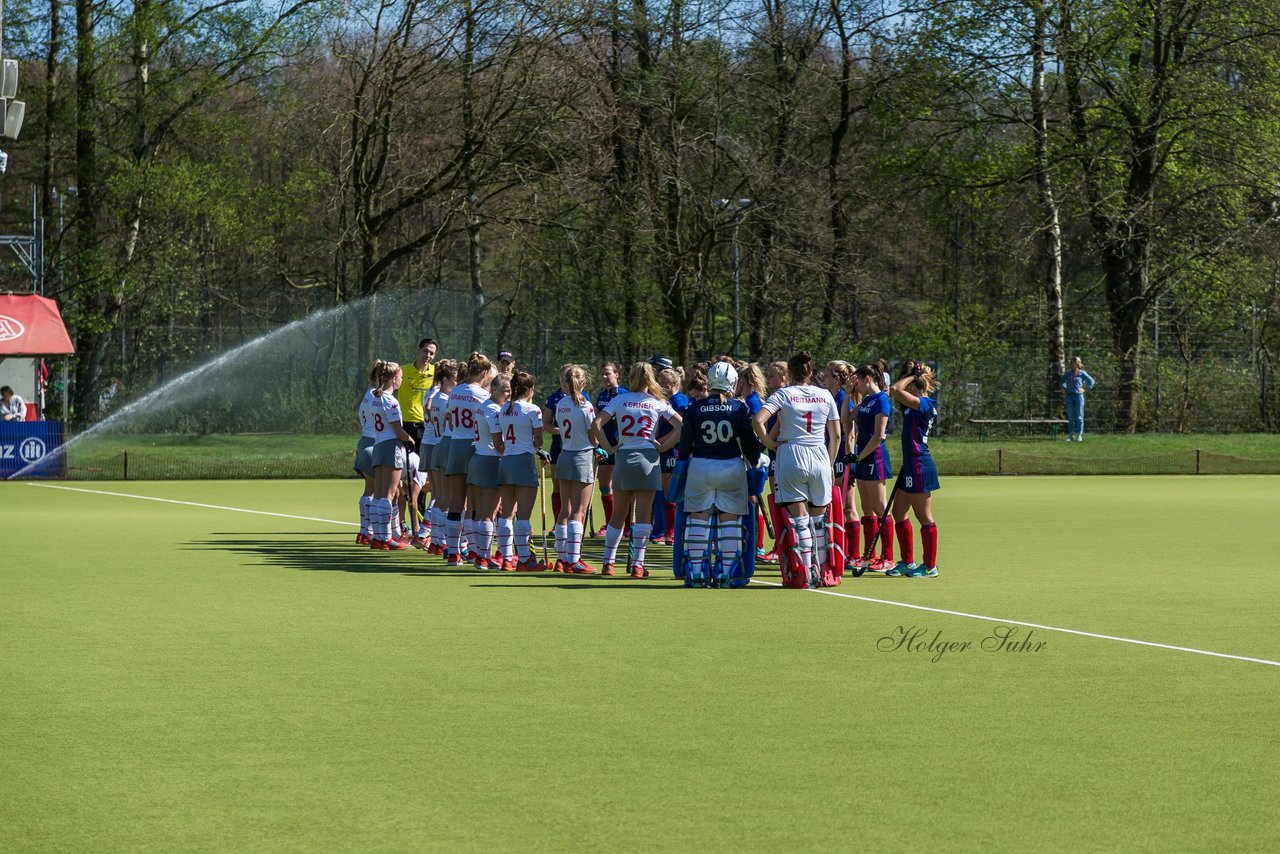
[511, 434]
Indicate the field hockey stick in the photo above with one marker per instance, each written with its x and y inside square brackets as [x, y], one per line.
[410, 501]
[870, 550]
[542, 502]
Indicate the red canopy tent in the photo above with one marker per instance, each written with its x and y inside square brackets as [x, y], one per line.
[31, 325]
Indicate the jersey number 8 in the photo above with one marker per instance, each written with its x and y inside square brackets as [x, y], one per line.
[716, 431]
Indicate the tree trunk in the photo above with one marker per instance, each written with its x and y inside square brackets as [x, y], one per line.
[92, 336]
[47, 176]
[1051, 234]
[469, 145]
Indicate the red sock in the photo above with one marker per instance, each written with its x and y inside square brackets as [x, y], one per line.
[870, 526]
[671, 518]
[886, 539]
[929, 537]
[555, 505]
[906, 540]
[606, 498]
[852, 534]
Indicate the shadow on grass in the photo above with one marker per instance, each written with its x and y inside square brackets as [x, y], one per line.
[310, 556]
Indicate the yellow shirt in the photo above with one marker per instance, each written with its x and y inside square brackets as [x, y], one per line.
[414, 385]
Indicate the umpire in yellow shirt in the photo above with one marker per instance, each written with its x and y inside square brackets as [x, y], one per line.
[418, 377]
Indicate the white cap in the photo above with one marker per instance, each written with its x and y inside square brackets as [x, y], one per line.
[722, 377]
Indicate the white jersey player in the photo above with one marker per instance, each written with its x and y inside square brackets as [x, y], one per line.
[808, 441]
[638, 475]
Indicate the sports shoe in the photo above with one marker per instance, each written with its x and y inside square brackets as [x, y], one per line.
[900, 568]
[453, 559]
[560, 566]
[770, 556]
[509, 565]
[378, 545]
[581, 568]
[397, 545]
[881, 565]
[638, 571]
[604, 529]
[362, 539]
[419, 544]
[483, 563]
[531, 564]
[923, 572]
[436, 549]
[605, 569]
[472, 555]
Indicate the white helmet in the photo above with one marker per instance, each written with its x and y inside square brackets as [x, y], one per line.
[722, 377]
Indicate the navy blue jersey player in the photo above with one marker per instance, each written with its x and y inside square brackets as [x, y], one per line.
[919, 474]
[718, 440]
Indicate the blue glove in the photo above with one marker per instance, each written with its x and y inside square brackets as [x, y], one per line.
[601, 453]
[756, 478]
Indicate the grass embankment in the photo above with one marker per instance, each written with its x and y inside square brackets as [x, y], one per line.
[280, 455]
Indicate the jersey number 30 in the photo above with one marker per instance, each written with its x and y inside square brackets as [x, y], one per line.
[716, 431]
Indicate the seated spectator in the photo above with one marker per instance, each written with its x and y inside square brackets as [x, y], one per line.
[12, 407]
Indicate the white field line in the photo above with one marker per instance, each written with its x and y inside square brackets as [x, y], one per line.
[194, 504]
[1031, 625]
[964, 614]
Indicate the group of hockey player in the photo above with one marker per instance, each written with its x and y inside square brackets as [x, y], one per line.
[679, 457]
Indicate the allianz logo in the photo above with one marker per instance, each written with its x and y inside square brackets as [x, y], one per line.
[10, 328]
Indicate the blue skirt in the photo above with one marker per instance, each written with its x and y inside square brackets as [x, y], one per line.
[919, 475]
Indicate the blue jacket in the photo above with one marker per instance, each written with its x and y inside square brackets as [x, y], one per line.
[1075, 382]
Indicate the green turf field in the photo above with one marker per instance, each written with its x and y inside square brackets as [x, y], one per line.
[189, 678]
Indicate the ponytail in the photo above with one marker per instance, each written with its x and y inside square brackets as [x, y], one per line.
[800, 367]
[643, 380]
[521, 383]
[381, 375]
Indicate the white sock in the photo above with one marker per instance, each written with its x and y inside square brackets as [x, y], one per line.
[729, 543]
[819, 526]
[504, 537]
[365, 501]
[562, 541]
[387, 516]
[640, 539]
[453, 535]
[573, 551]
[485, 536]
[612, 536]
[804, 541]
[524, 533]
[696, 534]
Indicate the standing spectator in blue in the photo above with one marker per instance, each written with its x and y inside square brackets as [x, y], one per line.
[1074, 384]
